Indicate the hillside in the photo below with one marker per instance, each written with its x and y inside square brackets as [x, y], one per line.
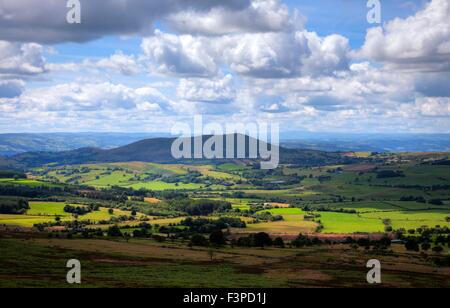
[157, 150]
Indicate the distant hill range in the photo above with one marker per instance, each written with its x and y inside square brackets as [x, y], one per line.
[157, 150]
[396, 143]
[13, 144]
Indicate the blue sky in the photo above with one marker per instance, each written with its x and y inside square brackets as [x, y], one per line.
[146, 66]
[348, 17]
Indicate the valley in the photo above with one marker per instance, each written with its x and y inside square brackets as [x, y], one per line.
[346, 204]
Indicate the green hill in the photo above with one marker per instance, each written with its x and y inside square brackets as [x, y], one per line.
[158, 150]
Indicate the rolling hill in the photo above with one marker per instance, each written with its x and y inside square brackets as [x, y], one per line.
[157, 150]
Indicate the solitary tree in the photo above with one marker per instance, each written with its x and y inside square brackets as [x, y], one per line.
[262, 239]
[217, 238]
[211, 254]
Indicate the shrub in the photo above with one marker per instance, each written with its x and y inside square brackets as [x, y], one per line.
[426, 246]
[199, 240]
[438, 249]
[278, 242]
[412, 244]
[114, 231]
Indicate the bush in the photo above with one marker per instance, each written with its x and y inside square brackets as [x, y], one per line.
[258, 240]
[438, 249]
[412, 244]
[301, 241]
[278, 242]
[199, 240]
[363, 242]
[159, 238]
[144, 232]
[77, 210]
[114, 231]
[262, 239]
[426, 246]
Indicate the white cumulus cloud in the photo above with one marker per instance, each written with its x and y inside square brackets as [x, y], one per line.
[220, 90]
[419, 42]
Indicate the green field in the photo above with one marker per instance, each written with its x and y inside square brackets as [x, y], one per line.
[332, 222]
[231, 167]
[412, 219]
[132, 175]
[349, 223]
[43, 212]
[336, 188]
[287, 227]
[158, 185]
[25, 182]
[369, 220]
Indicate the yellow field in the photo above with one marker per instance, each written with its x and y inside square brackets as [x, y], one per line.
[281, 227]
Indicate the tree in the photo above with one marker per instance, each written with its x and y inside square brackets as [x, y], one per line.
[114, 231]
[211, 254]
[278, 242]
[425, 246]
[385, 241]
[111, 211]
[133, 213]
[199, 240]
[127, 237]
[217, 238]
[412, 244]
[262, 239]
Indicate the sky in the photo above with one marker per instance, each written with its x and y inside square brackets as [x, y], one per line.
[145, 66]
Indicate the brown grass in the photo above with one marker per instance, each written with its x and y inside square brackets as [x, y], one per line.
[152, 200]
